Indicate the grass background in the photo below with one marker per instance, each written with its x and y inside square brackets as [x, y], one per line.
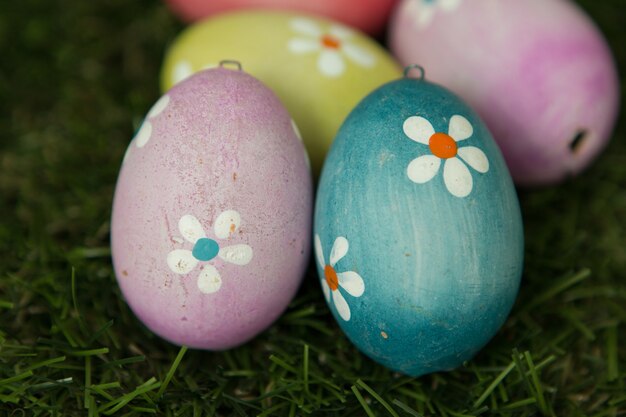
[76, 77]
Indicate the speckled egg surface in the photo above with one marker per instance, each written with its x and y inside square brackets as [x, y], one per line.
[418, 233]
[212, 211]
[320, 69]
[537, 71]
[367, 15]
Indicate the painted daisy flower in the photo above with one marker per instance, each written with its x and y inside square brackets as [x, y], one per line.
[145, 131]
[456, 175]
[332, 45]
[425, 10]
[349, 281]
[183, 261]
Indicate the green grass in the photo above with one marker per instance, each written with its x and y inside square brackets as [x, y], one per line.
[75, 79]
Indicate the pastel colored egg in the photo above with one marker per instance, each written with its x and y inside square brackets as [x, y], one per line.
[367, 15]
[212, 210]
[417, 229]
[539, 72]
[318, 68]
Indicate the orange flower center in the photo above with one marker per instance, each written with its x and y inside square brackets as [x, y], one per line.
[331, 277]
[442, 146]
[330, 42]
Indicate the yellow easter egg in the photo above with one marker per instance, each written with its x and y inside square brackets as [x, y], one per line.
[320, 69]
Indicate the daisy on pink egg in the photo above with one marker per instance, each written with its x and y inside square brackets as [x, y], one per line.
[183, 261]
[425, 10]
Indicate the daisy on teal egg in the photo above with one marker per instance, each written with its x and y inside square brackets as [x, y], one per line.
[349, 281]
[425, 10]
[183, 261]
[445, 147]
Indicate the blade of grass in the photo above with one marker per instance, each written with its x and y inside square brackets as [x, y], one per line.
[560, 286]
[15, 378]
[305, 368]
[612, 361]
[543, 406]
[172, 370]
[87, 400]
[81, 319]
[497, 381]
[378, 398]
[278, 361]
[520, 403]
[406, 408]
[47, 362]
[115, 405]
[100, 331]
[361, 400]
[89, 352]
[125, 361]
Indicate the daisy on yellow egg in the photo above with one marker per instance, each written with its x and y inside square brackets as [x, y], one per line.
[333, 45]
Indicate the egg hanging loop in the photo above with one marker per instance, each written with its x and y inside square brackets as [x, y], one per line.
[234, 62]
[409, 68]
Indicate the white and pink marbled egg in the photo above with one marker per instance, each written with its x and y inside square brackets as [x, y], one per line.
[212, 212]
[539, 72]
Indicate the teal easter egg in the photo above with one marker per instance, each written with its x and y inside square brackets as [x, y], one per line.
[418, 233]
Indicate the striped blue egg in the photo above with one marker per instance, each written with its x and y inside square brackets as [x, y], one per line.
[418, 232]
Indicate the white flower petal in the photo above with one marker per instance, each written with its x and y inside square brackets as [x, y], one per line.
[460, 128]
[319, 254]
[423, 169]
[425, 16]
[181, 71]
[127, 153]
[418, 129]
[209, 280]
[326, 290]
[339, 250]
[413, 7]
[181, 261]
[302, 46]
[159, 106]
[352, 283]
[330, 63]
[449, 5]
[306, 27]
[341, 305]
[190, 228]
[341, 32]
[227, 224]
[143, 136]
[475, 158]
[358, 55]
[236, 254]
[457, 177]
[296, 130]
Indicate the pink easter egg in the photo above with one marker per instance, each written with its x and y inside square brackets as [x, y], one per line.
[369, 16]
[211, 218]
[539, 72]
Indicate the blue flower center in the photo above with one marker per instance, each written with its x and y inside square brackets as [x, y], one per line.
[205, 249]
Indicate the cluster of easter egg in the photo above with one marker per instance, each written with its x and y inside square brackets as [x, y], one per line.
[416, 227]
